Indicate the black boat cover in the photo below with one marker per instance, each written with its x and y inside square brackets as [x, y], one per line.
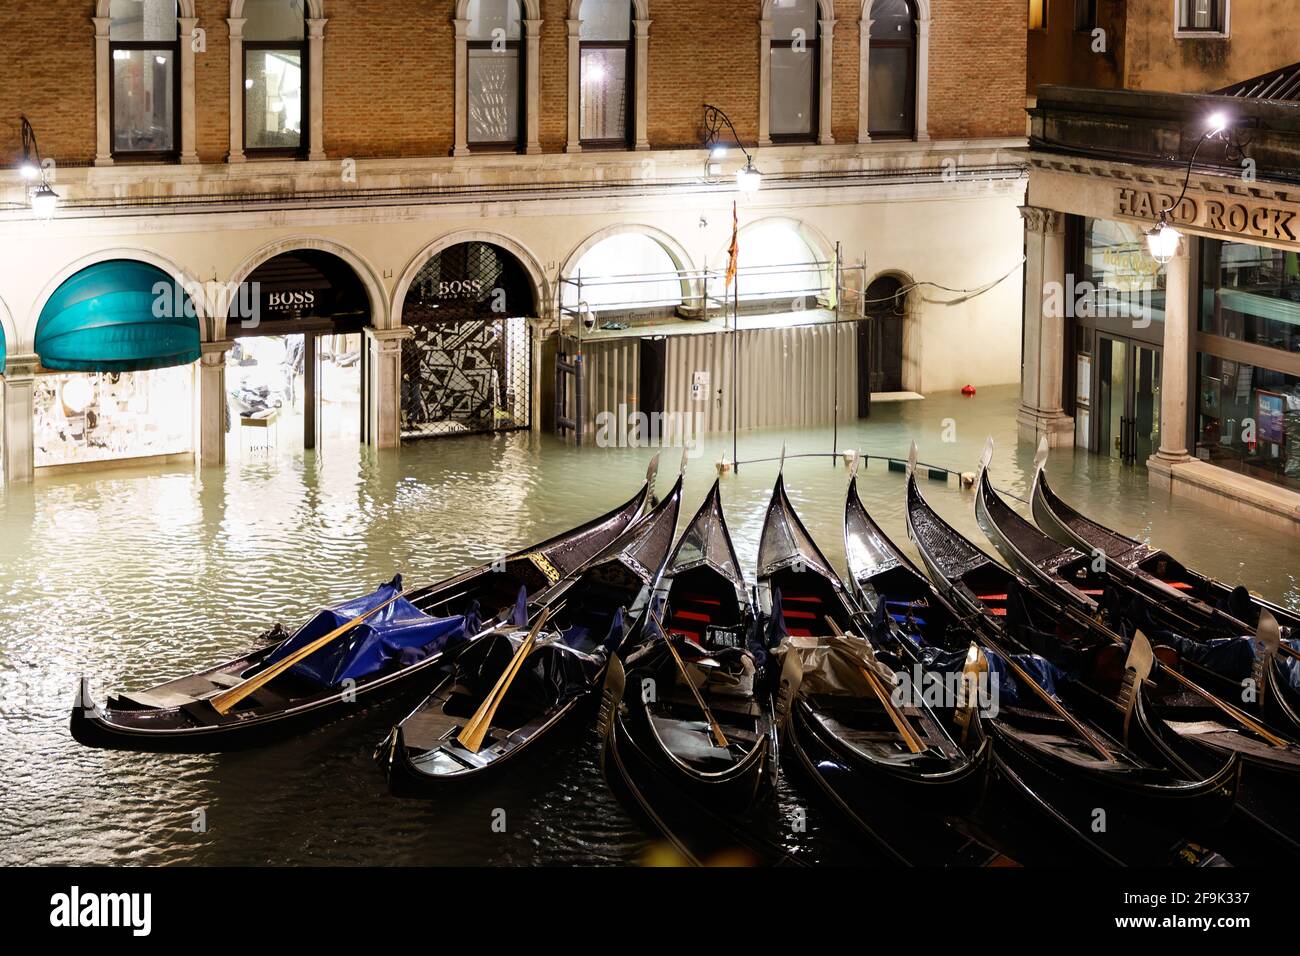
[553, 674]
[1229, 657]
[939, 661]
[400, 633]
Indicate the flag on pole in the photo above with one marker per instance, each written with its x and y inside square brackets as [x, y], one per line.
[734, 262]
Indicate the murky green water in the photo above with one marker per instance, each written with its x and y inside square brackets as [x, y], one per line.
[131, 577]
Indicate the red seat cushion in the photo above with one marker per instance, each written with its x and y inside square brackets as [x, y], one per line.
[690, 616]
[698, 599]
[801, 615]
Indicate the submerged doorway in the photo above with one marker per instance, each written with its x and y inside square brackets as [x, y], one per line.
[295, 376]
[1128, 399]
[886, 309]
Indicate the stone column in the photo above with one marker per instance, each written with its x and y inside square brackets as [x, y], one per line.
[236, 154]
[460, 128]
[384, 353]
[641, 61]
[316, 103]
[1041, 413]
[19, 383]
[825, 112]
[212, 402]
[922, 80]
[574, 144]
[864, 80]
[764, 82]
[1175, 369]
[103, 94]
[189, 148]
[533, 94]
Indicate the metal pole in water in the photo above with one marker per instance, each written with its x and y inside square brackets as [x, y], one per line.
[735, 377]
[835, 356]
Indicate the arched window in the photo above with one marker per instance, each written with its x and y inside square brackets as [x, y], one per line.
[496, 72]
[776, 262]
[891, 109]
[275, 73]
[627, 272]
[606, 70]
[796, 69]
[144, 44]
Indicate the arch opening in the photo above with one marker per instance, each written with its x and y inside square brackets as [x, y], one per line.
[467, 367]
[624, 277]
[780, 269]
[298, 362]
[118, 342]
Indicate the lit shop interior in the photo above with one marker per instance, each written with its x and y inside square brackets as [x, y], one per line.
[117, 377]
[1247, 406]
[294, 374]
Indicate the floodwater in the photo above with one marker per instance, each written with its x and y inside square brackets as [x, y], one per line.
[134, 576]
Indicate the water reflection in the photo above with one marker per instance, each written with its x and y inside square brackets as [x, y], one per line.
[135, 576]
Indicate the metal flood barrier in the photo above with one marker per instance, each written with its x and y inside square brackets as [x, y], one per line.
[789, 376]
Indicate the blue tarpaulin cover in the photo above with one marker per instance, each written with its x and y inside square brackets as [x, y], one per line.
[117, 316]
[400, 633]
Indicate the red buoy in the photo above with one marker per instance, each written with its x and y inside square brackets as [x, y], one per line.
[968, 391]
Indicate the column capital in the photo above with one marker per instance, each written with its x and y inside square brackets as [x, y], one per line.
[462, 29]
[1044, 221]
[389, 340]
[236, 25]
[21, 367]
[102, 26]
[533, 28]
[642, 27]
[575, 28]
[828, 28]
[214, 353]
[316, 28]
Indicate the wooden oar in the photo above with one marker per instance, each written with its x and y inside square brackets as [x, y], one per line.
[719, 737]
[904, 729]
[1238, 715]
[471, 736]
[1054, 704]
[224, 701]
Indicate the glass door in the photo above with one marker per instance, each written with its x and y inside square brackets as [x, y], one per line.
[1146, 402]
[1112, 398]
[1128, 400]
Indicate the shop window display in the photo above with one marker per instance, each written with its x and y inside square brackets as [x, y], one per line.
[97, 417]
[1251, 293]
[1123, 280]
[1248, 419]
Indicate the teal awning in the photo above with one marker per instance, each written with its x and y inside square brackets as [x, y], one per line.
[118, 316]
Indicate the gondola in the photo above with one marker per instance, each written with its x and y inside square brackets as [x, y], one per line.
[1080, 736]
[893, 770]
[713, 740]
[1231, 611]
[397, 649]
[1039, 817]
[559, 663]
[1181, 717]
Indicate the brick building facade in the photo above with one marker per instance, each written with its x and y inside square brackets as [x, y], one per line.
[385, 177]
